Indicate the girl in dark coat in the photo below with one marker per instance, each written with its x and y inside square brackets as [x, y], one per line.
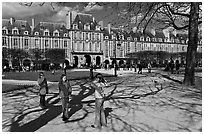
[42, 82]
[65, 91]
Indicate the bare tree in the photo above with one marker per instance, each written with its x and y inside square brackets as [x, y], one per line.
[181, 16]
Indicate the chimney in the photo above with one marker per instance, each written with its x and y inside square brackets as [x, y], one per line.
[93, 19]
[174, 33]
[153, 32]
[33, 24]
[101, 24]
[166, 33]
[109, 28]
[68, 20]
[12, 20]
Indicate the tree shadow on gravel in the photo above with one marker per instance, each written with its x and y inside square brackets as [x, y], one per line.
[52, 112]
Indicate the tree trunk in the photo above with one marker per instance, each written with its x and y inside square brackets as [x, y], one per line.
[189, 78]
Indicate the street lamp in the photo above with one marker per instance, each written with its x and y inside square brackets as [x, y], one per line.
[114, 42]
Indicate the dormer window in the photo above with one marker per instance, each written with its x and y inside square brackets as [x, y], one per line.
[36, 33]
[98, 28]
[75, 26]
[23, 26]
[46, 32]
[135, 39]
[87, 27]
[128, 38]
[142, 38]
[15, 31]
[147, 39]
[65, 35]
[160, 39]
[4, 31]
[122, 37]
[56, 33]
[26, 32]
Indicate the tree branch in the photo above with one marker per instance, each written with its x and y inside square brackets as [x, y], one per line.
[177, 13]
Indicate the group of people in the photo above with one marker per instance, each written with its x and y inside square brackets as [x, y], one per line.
[65, 92]
[171, 66]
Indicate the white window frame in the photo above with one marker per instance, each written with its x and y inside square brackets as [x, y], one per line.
[56, 32]
[46, 31]
[75, 26]
[65, 34]
[25, 32]
[5, 30]
[36, 33]
[15, 29]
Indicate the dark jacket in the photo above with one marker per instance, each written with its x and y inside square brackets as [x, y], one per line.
[65, 89]
[43, 86]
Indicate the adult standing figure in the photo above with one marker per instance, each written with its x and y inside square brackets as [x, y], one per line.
[99, 84]
[177, 66]
[140, 67]
[149, 66]
[172, 66]
[42, 82]
[65, 92]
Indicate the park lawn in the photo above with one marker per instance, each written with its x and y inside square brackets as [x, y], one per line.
[9, 87]
[72, 75]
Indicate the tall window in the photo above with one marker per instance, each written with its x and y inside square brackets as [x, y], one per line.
[46, 43]
[79, 35]
[98, 36]
[15, 42]
[4, 41]
[87, 36]
[65, 43]
[90, 46]
[26, 43]
[83, 35]
[37, 43]
[106, 52]
[92, 36]
[56, 43]
[75, 35]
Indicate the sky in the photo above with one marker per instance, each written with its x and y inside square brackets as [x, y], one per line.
[54, 13]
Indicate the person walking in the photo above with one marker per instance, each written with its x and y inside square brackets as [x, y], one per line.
[140, 68]
[172, 66]
[149, 67]
[42, 82]
[177, 66]
[65, 92]
[98, 84]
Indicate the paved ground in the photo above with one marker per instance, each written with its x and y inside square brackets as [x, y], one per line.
[134, 102]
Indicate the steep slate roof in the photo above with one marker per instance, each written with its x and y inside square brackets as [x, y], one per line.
[147, 33]
[159, 34]
[182, 36]
[105, 32]
[51, 27]
[135, 34]
[21, 25]
[85, 19]
[171, 35]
